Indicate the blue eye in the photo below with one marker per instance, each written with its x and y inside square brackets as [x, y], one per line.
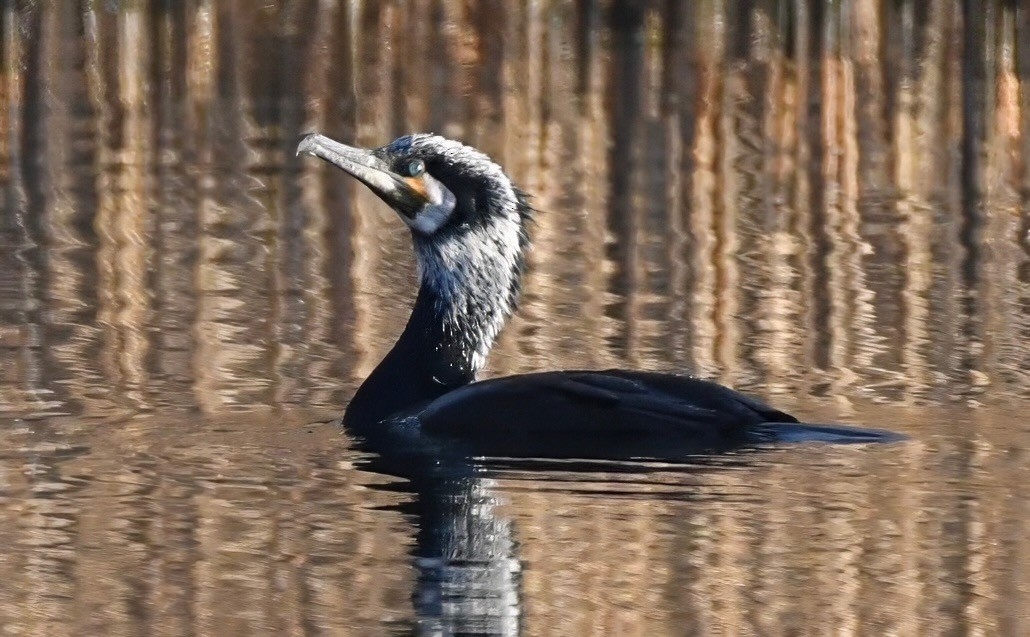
[415, 167]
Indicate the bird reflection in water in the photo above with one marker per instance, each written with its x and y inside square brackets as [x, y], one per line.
[467, 571]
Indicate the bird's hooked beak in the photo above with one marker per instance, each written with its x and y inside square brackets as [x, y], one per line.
[396, 190]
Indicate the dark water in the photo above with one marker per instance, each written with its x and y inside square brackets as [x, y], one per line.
[825, 204]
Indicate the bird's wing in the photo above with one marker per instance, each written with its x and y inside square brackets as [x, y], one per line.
[706, 394]
[579, 403]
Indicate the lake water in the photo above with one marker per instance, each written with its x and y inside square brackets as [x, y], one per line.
[824, 204]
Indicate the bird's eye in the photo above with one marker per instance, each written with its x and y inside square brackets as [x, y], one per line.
[415, 167]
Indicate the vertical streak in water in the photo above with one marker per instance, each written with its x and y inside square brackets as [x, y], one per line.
[772, 298]
[847, 536]
[867, 210]
[805, 184]
[811, 194]
[531, 160]
[173, 501]
[72, 160]
[46, 521]
[401, 42]
[588, 27]
[412, 74]
[592, 139]
[1022, 331]
[1013, 509]
[730, 186]
[828, 205]
[915, 107]
[650, 190]
[978, 542]
[854, 295]
[678, 84]
[977, 89]
[949, 293]
[132, 225]
[625, 94]
[868, 28]
[844, 290]
[233, 357]
[18, 231]
[531, 142]
[322, 360]
[439, 71]
[102, 38]
[502, 124]
[35, 189]
[490, 19]
[332, 78]
[1002, 353]
[174, 204]
[65, 182]
[374, 271]
[199, 92]
[279, 103]
[376, 55]
[10, 263]
[749, 69]
[703, 206]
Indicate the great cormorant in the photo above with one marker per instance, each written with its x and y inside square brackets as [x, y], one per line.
[468, 225]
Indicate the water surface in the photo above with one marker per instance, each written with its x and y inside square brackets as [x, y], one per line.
[824, 206]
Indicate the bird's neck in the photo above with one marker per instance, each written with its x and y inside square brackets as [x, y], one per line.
[464, 299]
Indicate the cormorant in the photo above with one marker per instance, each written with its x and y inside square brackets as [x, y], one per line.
[468, 225]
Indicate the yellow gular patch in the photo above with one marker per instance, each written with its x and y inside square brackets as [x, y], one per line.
[418, 185]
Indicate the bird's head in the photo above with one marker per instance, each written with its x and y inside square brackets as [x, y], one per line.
[468, 221]
[436, 185]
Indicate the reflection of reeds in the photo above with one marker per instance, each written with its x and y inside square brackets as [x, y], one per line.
[784, 562]
[168, 545]
[143, 532]
[232, 264]
[704, 192]
[1003, 355]
[22, 374]
[133, 226]
[175, 223]
[778, 188]
[797, 195]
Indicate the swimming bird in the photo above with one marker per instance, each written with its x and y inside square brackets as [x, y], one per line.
[469, 230]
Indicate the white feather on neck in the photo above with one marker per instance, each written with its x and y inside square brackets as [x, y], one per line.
[471, 273]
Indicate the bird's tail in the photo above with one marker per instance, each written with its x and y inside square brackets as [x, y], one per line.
[811, 432]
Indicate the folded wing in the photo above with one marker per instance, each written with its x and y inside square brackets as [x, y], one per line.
[610, 404]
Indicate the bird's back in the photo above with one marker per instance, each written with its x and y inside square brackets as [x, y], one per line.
[600, 407]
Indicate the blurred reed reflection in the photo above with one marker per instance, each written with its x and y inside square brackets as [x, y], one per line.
[794, 198]
[828, 203]
[230, 527]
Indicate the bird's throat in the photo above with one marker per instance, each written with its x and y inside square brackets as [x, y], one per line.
[469, 287]
[442, 347]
